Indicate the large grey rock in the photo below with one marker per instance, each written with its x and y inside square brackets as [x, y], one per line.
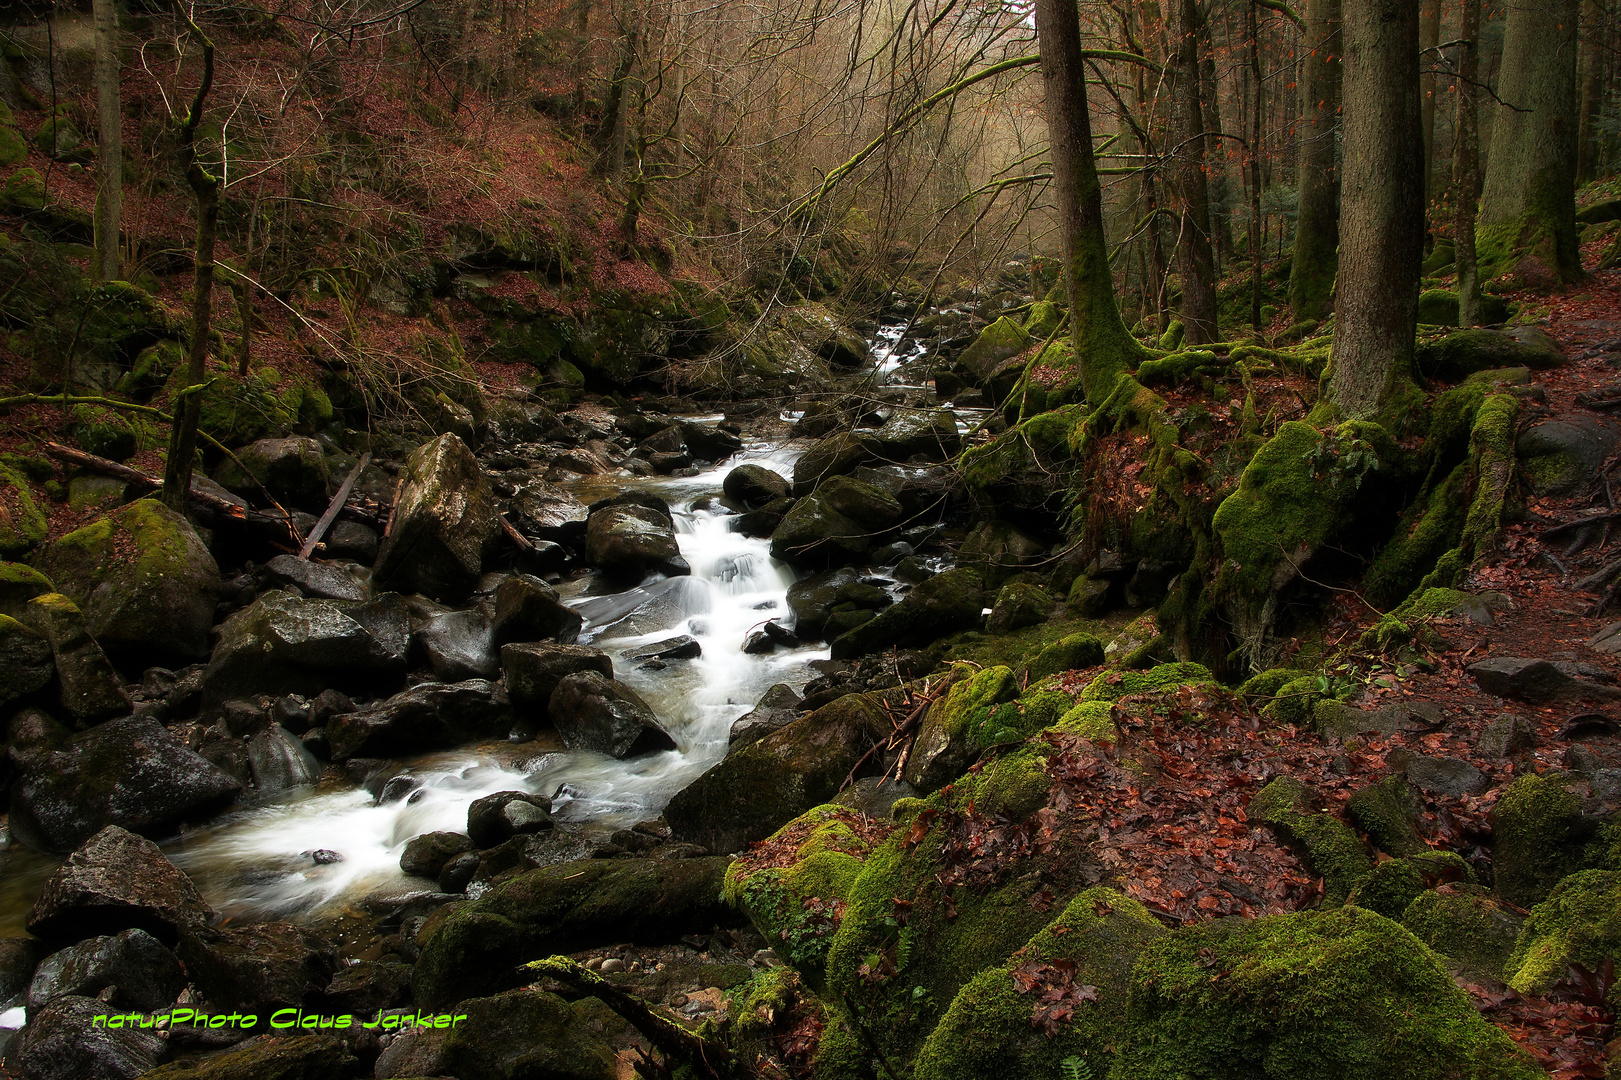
[426, 855]
[88, 689]
[64, 1042]
[812, 599]
[909, 433]
[527, 609]
[1446, 776]
[131, 966]
[262, 967]
[543, 512]
[497, 818]
[445, 524]
[592, 712]
[1535, 681]
[292, 469]
[458, 645]
[19, 956]
[777, 708]
[944, 604]
[1563, 456]
[533, 670]
[117, 881]
[318, 580]
[633, 536]
[812, 533]
[710, 443]
[279, 761]
[145, 581]
[754, 485]
[433, 716]
[1505, 736]
[281, 645]
[131, 772]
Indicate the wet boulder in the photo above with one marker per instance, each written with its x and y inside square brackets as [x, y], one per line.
[527, 609]
[131, 772]
[600, 714]
[814, 599]
[432, 716]
[66, 1042]
[117, 881]
[533, 670]
[633, 535]
[680, 647]
[291, 469]
[478, 946]
[300, 1057]
[26, 664]
[457, 645]
[131, 965]
[426, 855]
[760, 787]
[944, 604]
[777, 708]
[710, 443]
[262, 967]
[835, 455]
[281, 644]
[445, 524]
[543, 512]
[88, 689]
[497, 818]
[999, 550]
[928, 433]
[813, 533]
[278, 761]
[146, 583]
[313, 579]
[754, 485]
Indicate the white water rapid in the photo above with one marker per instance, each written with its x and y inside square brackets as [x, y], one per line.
[262, 862]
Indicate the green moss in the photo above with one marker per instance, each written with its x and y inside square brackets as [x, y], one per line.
[1093, 720]
[1000, 340]
[1268, 683]
[1580, 922]
[987, 1031]
[1043, 320]
[1394, 884]
[1114, 685]
[20, 583]
[1173, 337]
[1292, 703]
[1347, 994]
[1332, 848]
[1072, 652]
[1539, 836]
[1386, 811]
[969, 702]
[1466, 925]
[22, 523]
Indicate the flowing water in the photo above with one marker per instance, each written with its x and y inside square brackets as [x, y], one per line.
[263, 863]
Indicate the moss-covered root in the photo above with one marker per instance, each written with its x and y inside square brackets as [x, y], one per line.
[992, 1028]
[1346, 994]
[1332, 849]
[1579, 923]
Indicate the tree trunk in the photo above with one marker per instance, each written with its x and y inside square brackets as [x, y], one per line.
[1592, 91]
[1253, 25]
[1317, 225]
[1429, 36]
[1527, 225]
[582, 52]
[1466, 166]
[1104, 349]
[1220, 186]
[1195, 258]
[107, 260]
[1382, 219]
[206, 187]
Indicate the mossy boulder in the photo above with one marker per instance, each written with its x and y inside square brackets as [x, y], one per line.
[990, 1029]
[475, 948]
[1388, 812]
[1391, 886]
[26, 665]
[1467, 925]
[998, 550]
[1073, 652]
[1013, 473]
[22, 520]
[1579, 923]
[999, 341]
[1019, 604]
[1458, 355]
[1114, 685]
[1439, 307]
[760, 787]
[835, 455]
[1091, 720]
[1287, 806]
[943, 604]
[145, 581]
[306, 1057]
[946, 740]
[1539, 836]
[837, 523]
[293, 470]
[88, 689]
[445, 523]
[1345, 993]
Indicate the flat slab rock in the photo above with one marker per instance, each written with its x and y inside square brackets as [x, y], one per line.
[1536, 681]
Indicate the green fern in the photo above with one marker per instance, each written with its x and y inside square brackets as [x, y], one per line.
[1074, 1068]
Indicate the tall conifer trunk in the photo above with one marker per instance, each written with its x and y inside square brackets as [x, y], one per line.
[1317, 226]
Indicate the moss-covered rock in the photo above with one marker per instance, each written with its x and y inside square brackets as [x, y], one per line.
[943, 604]
[22, 520]
[1439, 307]
[761, 787]
[20, 583]
[1579, 923]
[1459, 355]
[952, 730]
[1391, 886]
[1343, 993]
[1387, 812]
[1114, 685]
[1539, 836]
[476, 947]
[1294, 702]
[1466, 925]
[1073, 652]
[990, 1028]
[1332, 849]
[1018, 604]
[1268, 683]
[304, 1057]
[999, 341]
[1091, 720]
[145, 581]
[1014, 471]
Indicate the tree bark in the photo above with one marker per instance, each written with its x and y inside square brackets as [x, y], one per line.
[1195, 257]
[1382, 219]
[1104, 349]
[1429, 36]
[206, 188]
[107, 260]
[1253, 25]
[1466, 166]
[1317, 225]
[1527, 224]
[1592, 91]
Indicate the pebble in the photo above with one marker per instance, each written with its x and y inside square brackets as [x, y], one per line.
[611, 965]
